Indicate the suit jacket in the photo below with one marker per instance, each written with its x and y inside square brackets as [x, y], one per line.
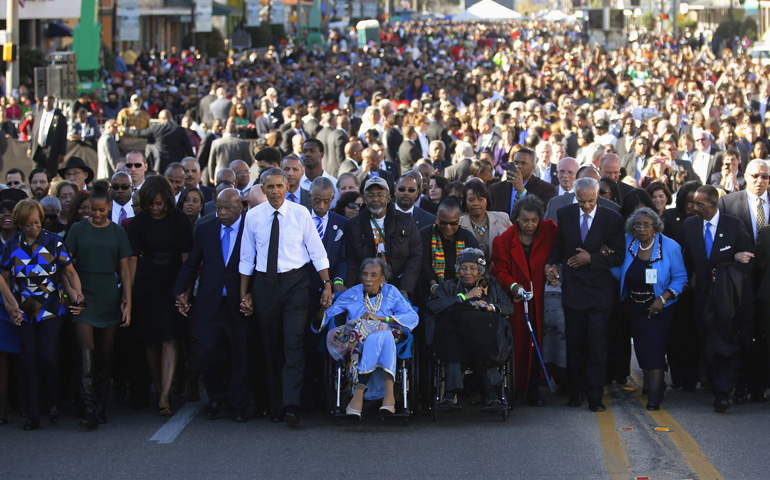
[590, 286]
[427, 205]
[500, 193]
[571, 145]
[304, 198]
[334, 242]
[220, 108]
[312, 127]
[57, 136]
[716, 180]
[620, 146]
[204, 152]
[207, 263]
[171, 142]
[567, 199]
[263, 125]
[730, 238]
[628, 163]
[498, 223]
[208, 194]
[204, 105]
[437, 131]
[408, 154]
[348, 165]
[385, 176]
[422, 218]
[625, 189]
[459, 172]
[334, 149]
[482, 144]
[108, 154]
[737, 205]
[393, 168]
[226, 149]
[286, 136]
[714, 165]
[393, 140]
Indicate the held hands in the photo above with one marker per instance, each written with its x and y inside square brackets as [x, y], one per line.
[552, 275]
[743, 257]
[582, 258]
[125, 310]
[605, 250]
[182, 304]
[77, 305]
[17, 316]
[247, 305]
[327, 296]
[371, 316]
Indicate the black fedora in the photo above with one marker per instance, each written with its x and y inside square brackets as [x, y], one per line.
[13, 194]
[77, 162]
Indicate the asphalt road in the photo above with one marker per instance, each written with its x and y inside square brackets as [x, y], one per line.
[553, 442]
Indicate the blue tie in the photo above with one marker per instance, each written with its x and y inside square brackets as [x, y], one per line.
[584, 227]
[708, 239]
[226, 249]
[319, 226]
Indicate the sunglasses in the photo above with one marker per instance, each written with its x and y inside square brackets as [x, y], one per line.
[448, 224]
[603, 191]
[52, 216]
[134, 165]
[121, 187]
[354, 205]
[764, 176]
[13, 183]
[404, 189]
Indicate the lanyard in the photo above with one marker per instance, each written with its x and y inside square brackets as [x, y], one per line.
[377, 227]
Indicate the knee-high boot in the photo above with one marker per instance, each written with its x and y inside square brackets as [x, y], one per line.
[102, 376]
[89, 420]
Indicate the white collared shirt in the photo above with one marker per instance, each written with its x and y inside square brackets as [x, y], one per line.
[305, 183]
[714, 222]
[47, 118]
[233, 236]
[324, 220]
[298, 243]
[116, 207]
[564, 192]
[409, 212]
[591, 216]
[700, 163]
[752, 199]
[544, 173]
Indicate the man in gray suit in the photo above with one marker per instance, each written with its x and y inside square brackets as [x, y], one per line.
[334, 140]
[107, 150]
[294, 169]
[407, 193]
[226, 149]
[220, 108]
[205, 104]
[559, 201]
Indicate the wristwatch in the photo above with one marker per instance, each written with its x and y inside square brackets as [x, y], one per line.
[327, 282]
[663, 300]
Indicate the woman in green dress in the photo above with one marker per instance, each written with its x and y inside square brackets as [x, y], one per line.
[100, 249]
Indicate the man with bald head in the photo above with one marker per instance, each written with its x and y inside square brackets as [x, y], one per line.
[370, 167]
[222, 329]
[121, 189]
[566, 171]
[609, 167]
[353, 158]
[569, 198]
[228, 149]
[170, 140]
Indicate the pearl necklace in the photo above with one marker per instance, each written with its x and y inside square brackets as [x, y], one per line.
[644, 249]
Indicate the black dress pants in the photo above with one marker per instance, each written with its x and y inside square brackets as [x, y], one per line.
[223, 357]
[281, 310]
[587, 351]
[40, 352]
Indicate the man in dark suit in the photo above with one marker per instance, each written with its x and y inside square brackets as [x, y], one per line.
[460, 170]
[170, 139]
[222, 328]
[334, 140]
[290, 128]
[587, 286]
[407, 193]
[353, 159]
[636, 161]
[712, 238]
[294, 169]
[265, 122]
[625, 143]
[204, 152]
[370, 167]
[49, 137]
[730, 178]
[409, 151]
[311, 122]
[488, 137]
[520, 182]
[437, 131]
[192, 178]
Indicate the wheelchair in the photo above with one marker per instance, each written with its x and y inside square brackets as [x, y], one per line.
[338, 389]
[496, 352]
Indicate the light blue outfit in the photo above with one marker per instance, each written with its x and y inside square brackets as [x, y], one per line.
[379, 349]
[666, 259]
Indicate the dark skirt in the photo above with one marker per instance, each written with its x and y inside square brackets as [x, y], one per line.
[650, 334]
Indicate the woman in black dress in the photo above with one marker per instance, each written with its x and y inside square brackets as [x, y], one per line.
[161, 238]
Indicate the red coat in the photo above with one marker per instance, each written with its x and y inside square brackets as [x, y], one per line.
[509, 266]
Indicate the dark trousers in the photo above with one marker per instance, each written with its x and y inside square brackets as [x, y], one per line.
[587, 351]
[315, 350]
[223, 357]
[43, 160]
[722, 373]
[684, 343]
[130, 366]
[618, 344]
[40, 352]
[281, 310]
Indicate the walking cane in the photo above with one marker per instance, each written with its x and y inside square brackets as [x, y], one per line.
[527, 296]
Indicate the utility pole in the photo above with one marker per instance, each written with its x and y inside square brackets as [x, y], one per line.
[192, 24]
[115, 33]
[12, 36]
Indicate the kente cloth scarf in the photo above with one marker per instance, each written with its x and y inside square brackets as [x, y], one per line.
[437, 251]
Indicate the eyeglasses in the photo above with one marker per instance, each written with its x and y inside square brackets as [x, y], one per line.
[642, 226]
[121, 187]
[404, 189]
[134, 165]
[448, 224]
[354, 205]
[764, 176]
[16, 182]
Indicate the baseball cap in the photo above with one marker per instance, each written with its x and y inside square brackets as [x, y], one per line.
[377, 182]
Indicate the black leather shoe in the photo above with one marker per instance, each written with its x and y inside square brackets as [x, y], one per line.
[54, 415]
[597, 407]
[575, 400]
[759, 397]
[291, 417]
[241, 417]
[277, 418]
[32, 425]
[213, 408]
[721, 405]
[259, 413]
[653, 407]
[740, 396]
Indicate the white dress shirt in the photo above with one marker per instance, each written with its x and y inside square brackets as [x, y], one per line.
[298, 244]
[752, 199]
[700, 164]
[408, 212]
[563, 192]
[116, 207]
[305, 183]
[324, 220]
[591, 216]
[47, 118]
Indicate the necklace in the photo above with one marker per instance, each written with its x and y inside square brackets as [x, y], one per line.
[377, 303]
[480, 229]
[644, 249]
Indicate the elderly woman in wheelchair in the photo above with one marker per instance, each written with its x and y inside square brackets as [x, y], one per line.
[471, 328]
[378, 317]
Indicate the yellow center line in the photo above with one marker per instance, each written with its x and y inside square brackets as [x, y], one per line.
[615, 454]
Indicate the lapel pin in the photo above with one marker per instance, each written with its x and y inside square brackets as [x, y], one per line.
[335, 227]
[720, 235]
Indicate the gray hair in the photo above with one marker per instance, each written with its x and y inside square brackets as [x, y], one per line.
[384, 267]
[321, 183]
[594, 150]
[273, 172]
[463, 150]
[529, 203]
[586, 183]
[51, 201]
[438, 142]
[646, 211]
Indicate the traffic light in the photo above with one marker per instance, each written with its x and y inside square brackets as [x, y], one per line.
[664, 16]
[10, 52]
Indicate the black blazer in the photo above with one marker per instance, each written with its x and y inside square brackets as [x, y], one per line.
[408, 154]
[737, 205]
[730, 238]
[57, 136]
[172, 142]
[500, 193]
[427, 205]
[422, 218]
[716, 181]
[459, 172]
[206, 262]
[204, 152]
[393, 139]
[589, 286]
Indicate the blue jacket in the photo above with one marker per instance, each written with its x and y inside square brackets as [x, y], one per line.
[666, 259]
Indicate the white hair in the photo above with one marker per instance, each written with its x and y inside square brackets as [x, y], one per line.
[462, 150]
[586, 183]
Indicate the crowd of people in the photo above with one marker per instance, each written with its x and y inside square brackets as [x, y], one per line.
[618, 193]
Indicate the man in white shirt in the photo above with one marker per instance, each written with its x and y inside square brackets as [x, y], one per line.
[703, 159]
[544, 169]
[312, 158]
[279, 239]
[121, 198]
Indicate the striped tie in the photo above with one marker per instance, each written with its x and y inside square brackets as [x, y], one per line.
[584, 227]
[761, 221]
[319, 226]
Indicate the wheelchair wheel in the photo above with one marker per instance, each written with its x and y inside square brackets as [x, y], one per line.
[436, 393]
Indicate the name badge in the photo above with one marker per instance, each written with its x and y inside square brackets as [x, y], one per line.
[652, 276]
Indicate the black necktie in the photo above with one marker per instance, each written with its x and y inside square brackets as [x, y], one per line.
[272, 251]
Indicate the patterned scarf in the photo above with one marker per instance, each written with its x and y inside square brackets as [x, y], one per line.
[437, 252]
